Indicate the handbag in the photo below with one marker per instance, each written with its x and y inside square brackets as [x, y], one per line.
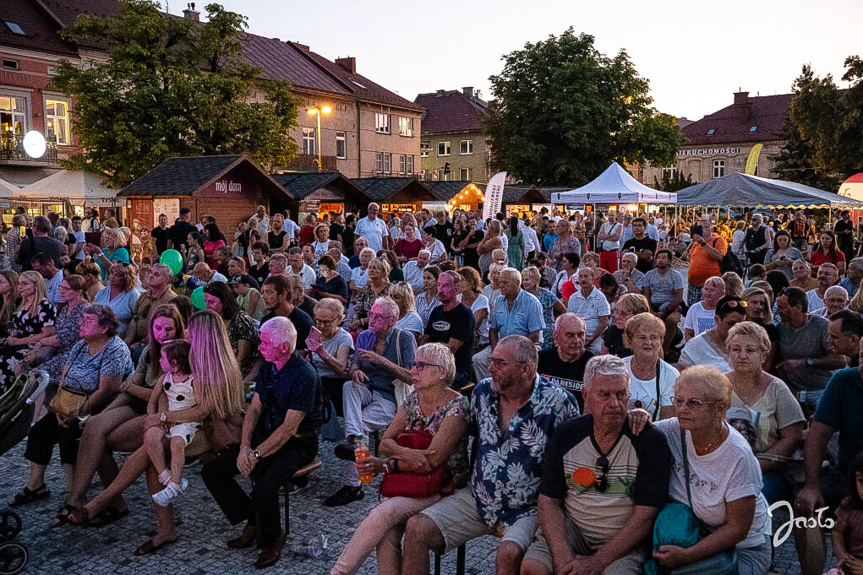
[69, 403]
[678, 525]
[417, 485]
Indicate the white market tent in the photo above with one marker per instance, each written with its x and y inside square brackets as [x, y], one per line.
[614, 186]
[75, 187]
[7, 189]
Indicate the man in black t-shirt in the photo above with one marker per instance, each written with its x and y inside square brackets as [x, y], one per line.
[643, 246]
[451, 323]
[260, 269]
[277, 292]
[278, 238]
[178, 234]
[844, 230]
[160, 234]
[564, 363]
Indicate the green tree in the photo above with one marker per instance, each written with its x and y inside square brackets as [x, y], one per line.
[563, 112]
[824, 129]
[171, 87]
[675, 183]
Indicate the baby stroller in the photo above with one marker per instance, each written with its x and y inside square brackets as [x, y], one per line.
[16, 413]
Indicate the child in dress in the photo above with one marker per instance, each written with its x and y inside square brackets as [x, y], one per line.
[848, 531]
[174, 392]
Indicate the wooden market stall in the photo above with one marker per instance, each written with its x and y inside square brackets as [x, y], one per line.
[321, 193]
[395, 195]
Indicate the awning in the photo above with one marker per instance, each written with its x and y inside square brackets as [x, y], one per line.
[68, 185]
[7, 190]
[614, 186]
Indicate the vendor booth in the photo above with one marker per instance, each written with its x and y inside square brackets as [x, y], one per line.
[617, 189]
[520, 200]
[67, 193]
[229, 188]
[395, 195]
[456, 195]
[321, 193]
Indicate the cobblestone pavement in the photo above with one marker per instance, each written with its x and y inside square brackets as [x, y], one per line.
[203, 530]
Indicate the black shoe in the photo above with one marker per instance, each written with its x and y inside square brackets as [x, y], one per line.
[345, 495]
[346, 449]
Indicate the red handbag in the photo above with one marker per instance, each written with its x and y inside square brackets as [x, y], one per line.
[417, 485]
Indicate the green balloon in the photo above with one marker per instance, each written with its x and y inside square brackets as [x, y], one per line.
[198, 298]
[173, 260]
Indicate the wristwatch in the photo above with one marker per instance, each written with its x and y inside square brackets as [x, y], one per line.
[257, 453]
[810, 362]
[163, 417]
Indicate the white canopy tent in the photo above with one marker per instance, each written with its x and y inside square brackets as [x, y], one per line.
[75, 187]
[7, 189]
[614, 186]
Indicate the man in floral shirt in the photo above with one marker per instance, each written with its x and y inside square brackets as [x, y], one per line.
[514, 414]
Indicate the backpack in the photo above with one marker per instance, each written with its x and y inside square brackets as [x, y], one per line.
[729, 262]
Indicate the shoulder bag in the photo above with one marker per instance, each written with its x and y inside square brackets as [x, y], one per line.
[69, 403]
[417, 485]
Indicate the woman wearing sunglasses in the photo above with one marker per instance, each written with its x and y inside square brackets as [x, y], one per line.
[432, 407]
[716, 474]
[709, 348]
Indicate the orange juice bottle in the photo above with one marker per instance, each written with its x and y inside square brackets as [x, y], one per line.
[361, 451]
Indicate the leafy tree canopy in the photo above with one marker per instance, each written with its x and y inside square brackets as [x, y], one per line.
[824, 129]
[673, 183]
[563, 112]
[171, 87]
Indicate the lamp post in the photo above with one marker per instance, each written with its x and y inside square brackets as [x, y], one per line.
[317, 111]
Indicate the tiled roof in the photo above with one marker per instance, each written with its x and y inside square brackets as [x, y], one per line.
[301, 185]
[379, 189]
[40, 30]
[766, 113]
[362, 87]
[185, 176]
[451, 111]
[65, 11]
[445, 191]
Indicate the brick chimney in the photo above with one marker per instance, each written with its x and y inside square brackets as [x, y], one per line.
[467, 91]
[440, 93]
[349, 64]
[742, 105]
[190, 13]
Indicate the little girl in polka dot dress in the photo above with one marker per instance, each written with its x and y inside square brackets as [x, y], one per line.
[172, 394]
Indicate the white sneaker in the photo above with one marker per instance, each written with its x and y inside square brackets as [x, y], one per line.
[167, 496]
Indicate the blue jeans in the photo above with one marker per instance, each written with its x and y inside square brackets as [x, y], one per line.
[777, 487]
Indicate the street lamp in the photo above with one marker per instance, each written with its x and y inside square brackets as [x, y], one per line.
[318, 111]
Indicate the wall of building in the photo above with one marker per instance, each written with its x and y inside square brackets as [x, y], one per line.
[372, 142]
[476, 162]
[698, 161]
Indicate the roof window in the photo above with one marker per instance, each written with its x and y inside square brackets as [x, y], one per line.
[16, 29]
[358, 84]
[710, 131]
[753, 128]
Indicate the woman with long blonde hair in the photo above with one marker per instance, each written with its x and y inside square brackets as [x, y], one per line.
[9, 299]
[214, 365]
[31, 322]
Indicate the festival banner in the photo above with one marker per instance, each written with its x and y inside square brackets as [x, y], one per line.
[493, 195]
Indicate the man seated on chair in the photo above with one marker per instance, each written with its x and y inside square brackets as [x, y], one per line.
[280, 436]
[383, 354]
[513, 414]
[602, 486]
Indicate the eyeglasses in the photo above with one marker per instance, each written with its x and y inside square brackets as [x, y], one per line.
[380, 315]
[322, 321]
[497, 362]
[691, 404]
[421, 365]
[602, 482]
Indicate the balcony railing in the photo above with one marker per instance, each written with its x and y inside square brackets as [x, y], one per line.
[12, 149]
[309, 163]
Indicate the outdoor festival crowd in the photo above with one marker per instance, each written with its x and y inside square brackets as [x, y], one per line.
[554, 381]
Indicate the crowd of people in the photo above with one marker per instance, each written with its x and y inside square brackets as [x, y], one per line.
[552, 380]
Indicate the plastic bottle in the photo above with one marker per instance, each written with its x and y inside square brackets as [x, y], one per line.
[313, 546]
[361, 451]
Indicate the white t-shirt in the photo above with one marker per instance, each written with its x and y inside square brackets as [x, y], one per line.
[589, 309]
[320, 249]
[727, 474]
[414, 276]
[290, 227]
[700, 351]
[481, 302]
[644, 391]
[81, 239]
[374, 231]
[360, 276]
[437, 249]
[610, 228]
[307, 273]
[332, 345]
[815, 301]
[699, 319]
[411, 322]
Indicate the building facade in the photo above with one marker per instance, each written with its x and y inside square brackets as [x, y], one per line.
[721, 143]
[453, 146]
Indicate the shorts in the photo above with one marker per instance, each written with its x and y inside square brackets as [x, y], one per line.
[185, 430]
[458, 520]
[539, 551]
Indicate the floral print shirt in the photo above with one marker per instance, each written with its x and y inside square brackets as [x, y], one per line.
[558, 248]
[26, 324]
[509, 464]
[459, 407]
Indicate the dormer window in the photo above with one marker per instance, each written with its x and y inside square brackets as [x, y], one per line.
[14, 27]
[753, 128]
[710, 131]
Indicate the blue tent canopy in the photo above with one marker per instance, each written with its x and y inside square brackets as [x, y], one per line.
[753, 191]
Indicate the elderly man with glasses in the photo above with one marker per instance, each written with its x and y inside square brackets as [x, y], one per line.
[515, 412]
[602, 485]
[158, 292]
[383, 354]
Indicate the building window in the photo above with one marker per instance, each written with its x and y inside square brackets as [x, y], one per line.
[718, 168]
[57, 115]
[383, 163]
[464, 174]
[406, 127]
[402, 162]
[422, 175]
[669, 172]
[409, 168]
[341, 146]
[711, 131]
[13, 115]
[15, 28]
[10, 64]
[309, 141]
[425, 149]
[753, 128]
[382, 123]
[444, 148]
[466, 147]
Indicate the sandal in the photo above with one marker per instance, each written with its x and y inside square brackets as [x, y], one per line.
[150, 547]
[62, 516]
[28, 495]
[109, 515]
[79, 517]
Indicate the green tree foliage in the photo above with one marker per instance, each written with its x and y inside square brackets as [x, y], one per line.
[171, 87]
[673, 183]
[563, 112]
[824, 129]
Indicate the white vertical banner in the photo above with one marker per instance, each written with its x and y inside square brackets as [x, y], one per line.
[493, 195]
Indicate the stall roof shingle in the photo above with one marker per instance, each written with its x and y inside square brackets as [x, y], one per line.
[379, 189]
[300, 185]
[445, 191]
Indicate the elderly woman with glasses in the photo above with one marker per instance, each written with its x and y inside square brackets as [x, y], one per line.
[434, 407]
[709, 347]
[331, 352]
[777, 431]
[120, 294]
[716, 473]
